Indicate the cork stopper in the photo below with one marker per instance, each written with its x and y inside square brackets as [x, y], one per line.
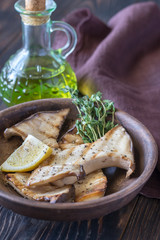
[35, 5]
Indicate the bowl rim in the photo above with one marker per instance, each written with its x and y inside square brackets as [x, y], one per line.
[135, 185]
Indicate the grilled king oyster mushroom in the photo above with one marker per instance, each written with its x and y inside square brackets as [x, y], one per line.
[92, 187]
[43, 125]
[114, 149]
[51, 173]
[46, 192]
[70, 139]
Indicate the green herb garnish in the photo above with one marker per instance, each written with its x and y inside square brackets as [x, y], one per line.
[96, 115]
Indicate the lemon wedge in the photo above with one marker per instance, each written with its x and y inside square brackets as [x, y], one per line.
[27, 157]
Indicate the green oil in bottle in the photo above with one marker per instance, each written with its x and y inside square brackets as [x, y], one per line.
[41, 78]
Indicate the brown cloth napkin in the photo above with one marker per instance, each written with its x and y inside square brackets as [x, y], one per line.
[122, 59]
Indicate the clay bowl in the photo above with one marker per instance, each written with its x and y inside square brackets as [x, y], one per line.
[120, 190]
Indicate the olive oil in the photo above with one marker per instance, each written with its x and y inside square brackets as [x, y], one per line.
[38, 81]
[39, 69]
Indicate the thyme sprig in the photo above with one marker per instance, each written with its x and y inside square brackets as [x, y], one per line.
[96, 116]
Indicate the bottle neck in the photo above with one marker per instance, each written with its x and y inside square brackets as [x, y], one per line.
[36, 39]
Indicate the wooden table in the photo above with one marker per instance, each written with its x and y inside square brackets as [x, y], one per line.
[140, 219]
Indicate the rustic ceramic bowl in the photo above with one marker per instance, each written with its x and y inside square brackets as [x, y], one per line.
[120, 190]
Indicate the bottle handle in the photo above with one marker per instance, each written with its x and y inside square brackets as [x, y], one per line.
[70, 33]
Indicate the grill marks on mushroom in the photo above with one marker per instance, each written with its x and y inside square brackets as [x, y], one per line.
[59, 166]
[43, 125]
[46, 192]
[51, 173]
[114, 149]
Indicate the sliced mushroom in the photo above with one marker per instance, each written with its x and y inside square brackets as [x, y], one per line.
[51, 173]
[43, 125]
[93, 186]
[46, 192]
[70, 139]
[114, 149]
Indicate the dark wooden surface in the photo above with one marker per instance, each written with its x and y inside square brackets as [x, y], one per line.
[140, 219]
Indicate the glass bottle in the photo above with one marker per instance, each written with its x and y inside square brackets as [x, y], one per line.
[36, 71]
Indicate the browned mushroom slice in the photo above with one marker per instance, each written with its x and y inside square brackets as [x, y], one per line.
[59, 166]
[46, 192]
[114, 149]
[93, 186]
[47, 174]
[70, 139]
[43, 125]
